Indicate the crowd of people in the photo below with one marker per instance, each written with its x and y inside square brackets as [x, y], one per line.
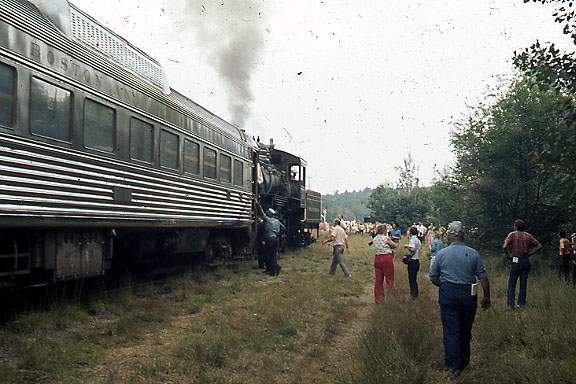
[456, 269]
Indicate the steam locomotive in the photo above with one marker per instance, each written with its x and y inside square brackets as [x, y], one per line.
[103, 164]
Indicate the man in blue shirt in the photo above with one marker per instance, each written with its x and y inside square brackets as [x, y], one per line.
[455, 270]
[272, 230]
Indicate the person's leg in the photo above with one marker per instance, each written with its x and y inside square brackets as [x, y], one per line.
[389, 272]
[411, 277]
[523, 282]
[260, 256]
[277, 266]
[450, 327]
[266, 249]
[467, 315]
[341, 262]
[413, 267]
[512, 279]
[573, 267]
[566, 268]
[378, 278]
[416, 269]
[334, 261]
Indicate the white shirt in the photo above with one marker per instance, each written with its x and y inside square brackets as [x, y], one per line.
[339, 235]
[416, 244]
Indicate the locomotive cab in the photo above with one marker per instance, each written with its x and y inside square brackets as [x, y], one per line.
[287, 194]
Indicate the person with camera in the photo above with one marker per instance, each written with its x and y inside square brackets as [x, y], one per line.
[412, 260]
[455, 270]
[383, 247]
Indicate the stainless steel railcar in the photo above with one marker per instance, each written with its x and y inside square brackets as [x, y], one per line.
[99, 158]
[96, 152]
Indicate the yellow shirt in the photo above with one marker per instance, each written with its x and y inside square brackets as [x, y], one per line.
[564, 247]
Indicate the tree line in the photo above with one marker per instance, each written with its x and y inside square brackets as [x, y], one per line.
[515, 155]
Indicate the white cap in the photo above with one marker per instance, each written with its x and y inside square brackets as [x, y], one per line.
[455, 228]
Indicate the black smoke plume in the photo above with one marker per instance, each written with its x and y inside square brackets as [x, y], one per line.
[232, 32]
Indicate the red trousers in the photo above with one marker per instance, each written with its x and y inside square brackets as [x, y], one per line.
[383, 268]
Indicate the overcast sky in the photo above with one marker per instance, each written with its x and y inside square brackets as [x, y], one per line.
[350, 86]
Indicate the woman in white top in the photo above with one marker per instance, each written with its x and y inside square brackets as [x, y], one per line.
[383, 262]
[413, 261]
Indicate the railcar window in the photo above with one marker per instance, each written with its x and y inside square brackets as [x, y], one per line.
[238, 173]
[169, 145]
[7, 87]
[50, 110]
[209, 163]
[225, 168]
[99, 126]
[295, 172]
[195, 127]
[191, 157]
[141, 140]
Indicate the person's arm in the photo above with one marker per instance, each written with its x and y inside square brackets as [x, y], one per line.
[434, 273]
[482, 275]
[262, 213]
[506, 247]
[371, 243]
[260, 210]
[391, 244]
[411, 246]
[329, 240]
[536, 246]
[486, 288]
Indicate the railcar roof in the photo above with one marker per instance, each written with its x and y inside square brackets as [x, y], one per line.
[24, 15]
[291, 156]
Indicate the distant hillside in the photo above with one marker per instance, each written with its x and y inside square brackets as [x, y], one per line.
[349, 205]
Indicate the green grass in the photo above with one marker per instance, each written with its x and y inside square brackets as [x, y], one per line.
[534, 345]
[237, 325]
[230, 325]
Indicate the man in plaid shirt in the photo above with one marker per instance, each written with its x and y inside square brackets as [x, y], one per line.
[519, 245]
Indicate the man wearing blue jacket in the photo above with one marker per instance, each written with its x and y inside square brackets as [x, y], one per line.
[271, 233]
[455, 270]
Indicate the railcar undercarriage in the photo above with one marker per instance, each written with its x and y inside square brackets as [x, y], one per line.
[36, 257]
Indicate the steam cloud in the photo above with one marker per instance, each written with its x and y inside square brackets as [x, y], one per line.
[230, 30]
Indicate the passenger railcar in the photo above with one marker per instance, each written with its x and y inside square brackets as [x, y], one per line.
[101, 162]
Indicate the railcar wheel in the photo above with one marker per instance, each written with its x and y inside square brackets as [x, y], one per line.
[218, 250]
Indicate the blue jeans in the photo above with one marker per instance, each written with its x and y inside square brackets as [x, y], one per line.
[457, 311]
[337, 260]
[270, 250]
[518, 270]
[413, 268]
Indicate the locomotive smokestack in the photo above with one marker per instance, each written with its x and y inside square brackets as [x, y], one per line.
[271, 143]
